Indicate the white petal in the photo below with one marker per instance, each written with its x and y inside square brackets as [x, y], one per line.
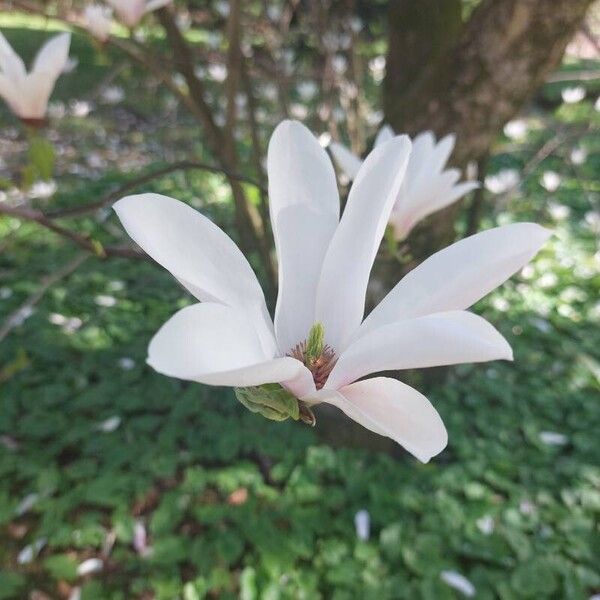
[217, 345]
[304, 207]
[395, 410]
[385, 134]
[11, 64]
[447, 338]
[199, 254]
[52, 56]
[346, 160]
[348, 262]
[458, 276]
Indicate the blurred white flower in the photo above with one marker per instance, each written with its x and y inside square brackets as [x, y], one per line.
[217, 71]
[377, 68]
[80, 108]
[222, 7]
[5, 293]
[325, 139]
[42, 189]
[526, 507]
[592, 219]
[486, 524]
[597, 104]
[558, 211]
[578, 155]
[89, 566]
[548, 280]
[362, 524]
[25, 93]
[319, 346]
[502, 181]
[75, 593]
[105, 300]
[500, 304]
[307, 90]
[130, 12]
[113, 94]
[550, 180]
[428, 186]
[299, 111]
[572, 95]
[98, 21]
[458, 582]
[126, 363]
[516, 129]
[339, 64]
[552, 438]
[56, 110]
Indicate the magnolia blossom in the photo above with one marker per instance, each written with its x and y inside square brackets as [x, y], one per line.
[27, 94]
[427, 187]
[98, 20]
[130, 12]
[319, 348]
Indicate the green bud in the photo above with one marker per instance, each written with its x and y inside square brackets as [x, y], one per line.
[315, 342]
[270, 400]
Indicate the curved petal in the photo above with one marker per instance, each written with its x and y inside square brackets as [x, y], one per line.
[460, 275]
[201, 256]
[217, 345]
[348, 262]
[304, 206]
[11, 64]
[385, 134]
[346, 160]
[52, 56]
[447, 338]
[9, 92]
[34, 95]
[395, 410]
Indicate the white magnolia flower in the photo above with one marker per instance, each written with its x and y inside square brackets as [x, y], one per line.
[550, 180]
[130, 12]
[427, 187]
[319, 346]
[98, 21]
[26, 93]
[503, 181]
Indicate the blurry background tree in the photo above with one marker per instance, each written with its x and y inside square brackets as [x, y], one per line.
[452, 66]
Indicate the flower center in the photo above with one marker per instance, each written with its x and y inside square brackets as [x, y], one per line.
[318, 357]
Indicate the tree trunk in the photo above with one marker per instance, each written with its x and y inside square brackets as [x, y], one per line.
[475, 76]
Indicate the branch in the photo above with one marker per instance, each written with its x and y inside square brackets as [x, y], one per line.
[92, 246]
[112, 197]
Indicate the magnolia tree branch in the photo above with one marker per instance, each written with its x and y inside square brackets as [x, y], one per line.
[83, 241]
[222, 144]
[184, 165]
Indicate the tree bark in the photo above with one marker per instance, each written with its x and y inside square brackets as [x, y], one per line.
[475, 77]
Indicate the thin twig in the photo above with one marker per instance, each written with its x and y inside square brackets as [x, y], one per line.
[92, 246]
[183, 165]
[46, 283]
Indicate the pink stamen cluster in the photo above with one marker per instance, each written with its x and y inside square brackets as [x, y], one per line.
[320, 367]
